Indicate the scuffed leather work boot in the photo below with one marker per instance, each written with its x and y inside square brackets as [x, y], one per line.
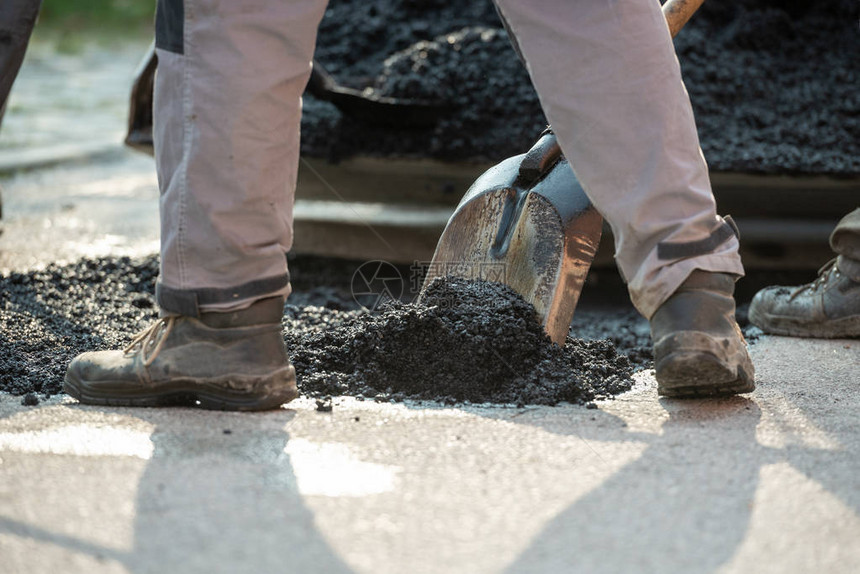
[829, 307]
[699, 349]
[226, 361]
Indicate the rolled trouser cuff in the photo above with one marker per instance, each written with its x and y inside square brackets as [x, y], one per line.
[190, 302]
[672, 251]
[648, 295]
[845, 239]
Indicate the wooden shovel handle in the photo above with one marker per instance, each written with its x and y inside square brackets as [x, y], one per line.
[678, 12]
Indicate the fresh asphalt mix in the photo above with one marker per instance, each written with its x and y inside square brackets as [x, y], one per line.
[465, 341]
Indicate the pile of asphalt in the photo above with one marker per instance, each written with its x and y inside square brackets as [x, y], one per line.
[465, 341]
[773, 83]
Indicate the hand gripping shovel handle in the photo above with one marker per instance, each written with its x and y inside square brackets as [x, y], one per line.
[679, 12]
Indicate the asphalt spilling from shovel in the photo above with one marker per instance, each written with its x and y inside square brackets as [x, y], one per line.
[464, 342]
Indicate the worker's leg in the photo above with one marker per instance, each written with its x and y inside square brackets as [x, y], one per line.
[610, 83]
[227, 113]
[828, 307]
[17, 19]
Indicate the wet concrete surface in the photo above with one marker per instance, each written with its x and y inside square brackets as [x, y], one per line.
[87, 208]
[56, 89]
[69, 189]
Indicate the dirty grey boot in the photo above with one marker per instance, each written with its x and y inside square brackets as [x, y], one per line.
[699, 349]
[829, 307]
[229, 361]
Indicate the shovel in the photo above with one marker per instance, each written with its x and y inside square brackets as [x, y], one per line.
[368, 106]
[527, 223]
[365, 105]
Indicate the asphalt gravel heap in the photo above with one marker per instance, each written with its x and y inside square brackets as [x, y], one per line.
[466, 341]
[773, 82]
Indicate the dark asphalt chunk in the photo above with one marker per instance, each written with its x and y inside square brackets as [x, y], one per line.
[30, 400]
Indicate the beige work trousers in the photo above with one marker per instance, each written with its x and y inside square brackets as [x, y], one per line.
[227, 116]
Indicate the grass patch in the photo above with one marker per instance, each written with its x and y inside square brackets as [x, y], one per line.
[97, 13]
[70, 24]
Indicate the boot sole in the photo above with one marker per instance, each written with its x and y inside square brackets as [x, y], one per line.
[687, 374]
[270, 392]
[846, 327]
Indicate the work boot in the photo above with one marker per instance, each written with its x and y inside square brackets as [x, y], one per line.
[829, 307]
[699, 349]
[227, 361]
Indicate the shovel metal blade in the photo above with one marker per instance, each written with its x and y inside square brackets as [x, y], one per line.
[526, 223]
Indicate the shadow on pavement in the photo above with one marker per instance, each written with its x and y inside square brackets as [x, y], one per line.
[691, 504]
[210, 500]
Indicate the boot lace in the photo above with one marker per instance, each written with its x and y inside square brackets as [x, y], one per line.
[150, 341]
[825, 274]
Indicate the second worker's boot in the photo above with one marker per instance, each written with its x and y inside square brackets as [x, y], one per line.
[229, 361]
[829, 307]
[699, 349]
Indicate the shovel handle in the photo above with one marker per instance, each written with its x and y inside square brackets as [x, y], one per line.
[679, 12]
